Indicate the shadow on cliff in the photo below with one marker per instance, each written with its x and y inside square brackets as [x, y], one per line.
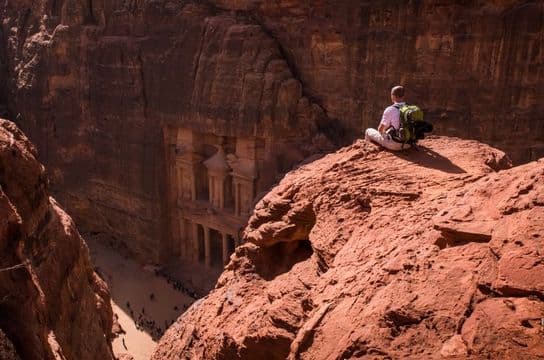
[429, 158]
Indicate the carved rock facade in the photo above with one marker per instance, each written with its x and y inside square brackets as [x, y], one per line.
[110, 90]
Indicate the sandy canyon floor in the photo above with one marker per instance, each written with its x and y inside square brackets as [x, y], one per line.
[138, 295]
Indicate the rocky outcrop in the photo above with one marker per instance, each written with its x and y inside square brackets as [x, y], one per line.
[52, 304]
[100, 85]
[432, 253]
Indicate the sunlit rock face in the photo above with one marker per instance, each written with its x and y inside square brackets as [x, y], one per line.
[127, 100]
[54, 306]
[364, 253]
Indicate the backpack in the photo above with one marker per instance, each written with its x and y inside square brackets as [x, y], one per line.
[412, 126]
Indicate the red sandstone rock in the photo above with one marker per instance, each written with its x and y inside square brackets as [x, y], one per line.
[424, 254]
[52, 304]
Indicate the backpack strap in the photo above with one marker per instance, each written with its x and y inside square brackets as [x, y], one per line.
[401, 121]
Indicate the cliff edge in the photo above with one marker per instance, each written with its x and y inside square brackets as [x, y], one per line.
[434, 253]
[52, 303]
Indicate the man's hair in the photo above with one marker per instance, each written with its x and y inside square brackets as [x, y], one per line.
[398, 91]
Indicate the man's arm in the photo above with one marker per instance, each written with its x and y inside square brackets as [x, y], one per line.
[385, 123]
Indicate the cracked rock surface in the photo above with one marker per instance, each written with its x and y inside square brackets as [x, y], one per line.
[433, 253]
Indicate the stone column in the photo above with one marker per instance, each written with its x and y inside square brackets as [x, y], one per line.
[188, 167]
[221, 189]
[244, 189]
[236, 197]
[195, 246]
[211, 187]
[225, 248]
[207, 246]
[193, 186]
[245, 195]
[218, 169]
[182, 238]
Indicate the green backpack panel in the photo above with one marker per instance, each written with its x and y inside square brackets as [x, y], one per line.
[412, 125]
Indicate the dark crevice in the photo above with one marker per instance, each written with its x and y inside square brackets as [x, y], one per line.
[286, 55]
[265, 347]
[322, 264]
[331, 128]
[397, 320]
[453, 237]
[441, 242]
[199, 53]
[283, 324]
[281, 257]
[487, 290]
[468, 312]
[526, 323]
[509, 291]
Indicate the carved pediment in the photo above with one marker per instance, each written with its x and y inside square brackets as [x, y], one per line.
[218, 162]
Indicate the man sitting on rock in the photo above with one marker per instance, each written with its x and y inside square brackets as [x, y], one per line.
[390, 119]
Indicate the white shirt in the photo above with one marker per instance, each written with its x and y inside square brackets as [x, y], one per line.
[391, 116]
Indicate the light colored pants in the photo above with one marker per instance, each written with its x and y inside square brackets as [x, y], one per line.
[384, 140]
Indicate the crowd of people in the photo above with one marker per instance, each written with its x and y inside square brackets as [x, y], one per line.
[143, 323]
[177, 285]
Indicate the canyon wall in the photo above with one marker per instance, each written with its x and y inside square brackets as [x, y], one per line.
[53, 305]
[474, 66]
[364, 253]
[105, 88]
[104, 91]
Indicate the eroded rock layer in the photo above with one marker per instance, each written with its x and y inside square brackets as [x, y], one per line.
[53, 305]
[366, 253]
[103, 87]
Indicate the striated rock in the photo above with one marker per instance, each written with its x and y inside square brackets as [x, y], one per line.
[474, 68]
[104, 89]
[393, 258]
[53, 304]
